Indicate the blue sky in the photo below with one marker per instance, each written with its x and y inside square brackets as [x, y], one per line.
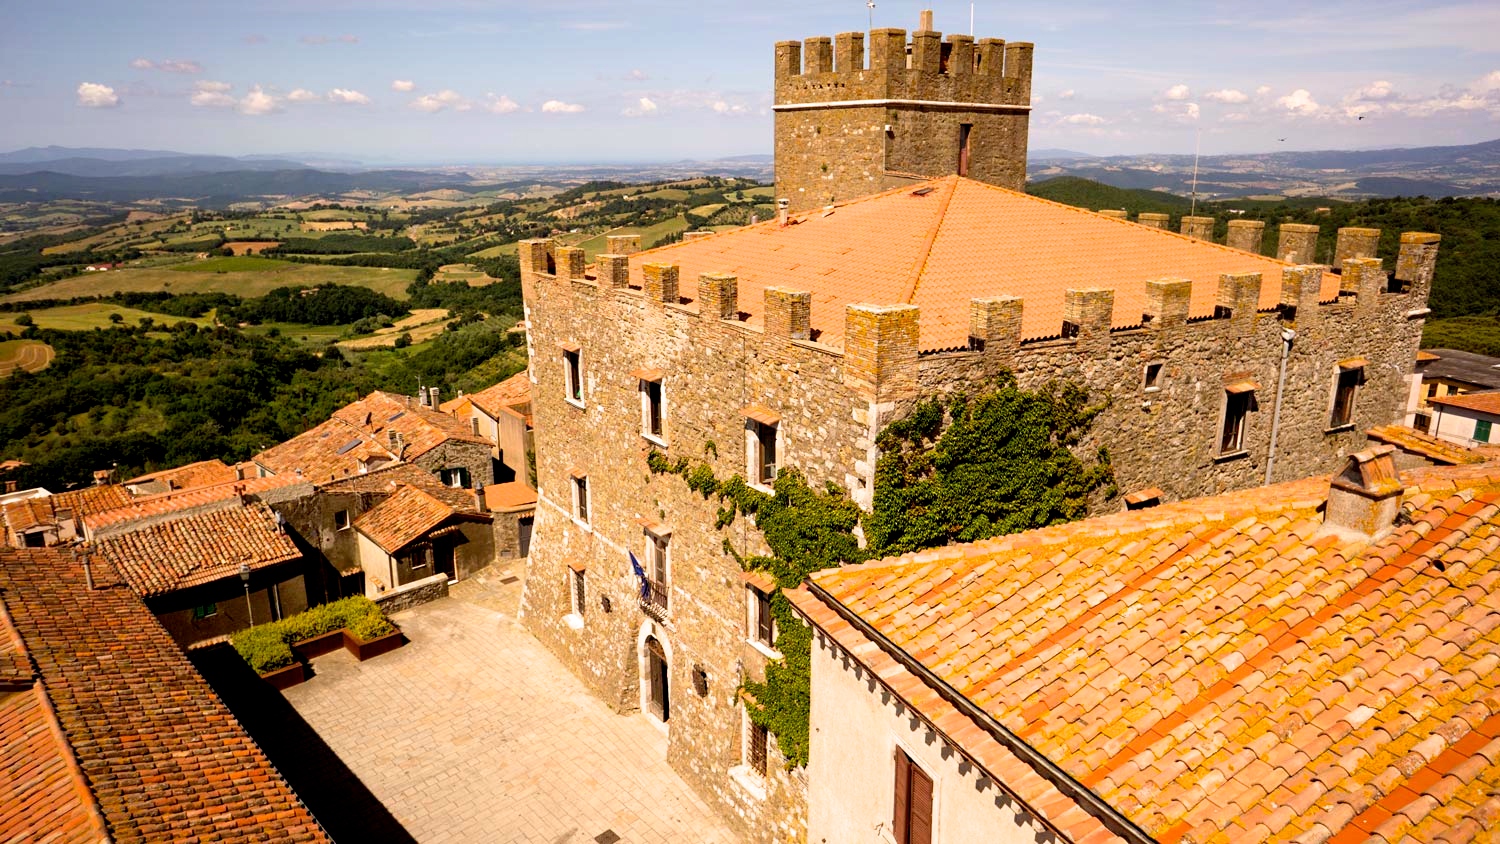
[467, 81]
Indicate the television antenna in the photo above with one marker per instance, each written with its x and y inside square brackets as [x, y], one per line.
[1197, 147]
[870, 5]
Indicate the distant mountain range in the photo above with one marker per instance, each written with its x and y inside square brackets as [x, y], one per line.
[1470, 170]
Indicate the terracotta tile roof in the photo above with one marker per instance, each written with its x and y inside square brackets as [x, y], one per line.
[150, 506]
[960, 240]
[1220, 669]
[160, 756]
[1483, 402]
[515, 390]
[402, 519]
[43, 791]
[515, 496]
[388, 479]
[1423, 355]
[362, 430]
[202, 473]
[29, 513]
[168, 556]
[1426, 445]
[91, 499]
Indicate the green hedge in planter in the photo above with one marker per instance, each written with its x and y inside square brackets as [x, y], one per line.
[267, 647]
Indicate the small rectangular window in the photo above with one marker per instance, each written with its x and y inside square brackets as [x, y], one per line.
[341, 520]
[580, 595]
[456, 478]
[1152, 377]
[763, 453]
[762, 623]
[755, 748]
[965, 130]
[657, 588]
[1237, 403]
[1482, 430]
[652, 410]
[573, 375]
[581, 499]
[205, 611]
[1345, 385]
[474, 422]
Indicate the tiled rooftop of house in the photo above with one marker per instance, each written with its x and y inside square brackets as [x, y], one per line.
[191, 476]
[403, 518]
[514, 496]
[1482, 402]
[167, 556]
[1482, 371]
[379, 427]
[109, 731]
[29, 513]
[508, 393]
[939, 244]
[1425, 445]
[1220, 669]
[388, 479]
[91, 499]
[184, 500]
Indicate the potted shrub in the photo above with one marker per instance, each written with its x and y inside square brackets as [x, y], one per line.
[278, 651]
[371, 636]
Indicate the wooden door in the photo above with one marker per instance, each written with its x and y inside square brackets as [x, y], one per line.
[659, 701]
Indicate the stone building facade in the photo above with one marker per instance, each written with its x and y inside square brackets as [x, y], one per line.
[922, 108]
[600, 339]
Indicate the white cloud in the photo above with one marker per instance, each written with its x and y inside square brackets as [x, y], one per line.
[95, 95]
[446, 98]
[1065, 95]
[1191, 111]
[1262, 90]
[259, 101]
[1488, 83]
[1227, 95]
[207, 94]
[637, 75]
[644, 106]
[1082, 119]
[403, 85]
[560, 107]
[347, 96]
[167, 65]
[1177, 92]
[500, 104]
[1299, 102]
[302, 95]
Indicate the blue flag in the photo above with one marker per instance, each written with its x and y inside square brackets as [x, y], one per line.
[640, 573]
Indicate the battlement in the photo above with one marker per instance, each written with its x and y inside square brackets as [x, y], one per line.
[924, 67]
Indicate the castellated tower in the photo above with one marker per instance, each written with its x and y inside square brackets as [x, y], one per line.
[916, 110]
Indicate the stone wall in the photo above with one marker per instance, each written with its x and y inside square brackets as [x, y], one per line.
[476, 457]
[413, 594]
[830, 404]
[845, 129]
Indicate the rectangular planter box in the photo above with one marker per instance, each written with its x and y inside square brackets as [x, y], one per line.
[319, 645]
[373, 648]
[285, 678]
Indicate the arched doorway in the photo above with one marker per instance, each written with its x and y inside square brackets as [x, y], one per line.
[658, 694]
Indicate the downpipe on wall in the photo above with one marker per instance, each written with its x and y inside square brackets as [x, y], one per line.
[1287, 336]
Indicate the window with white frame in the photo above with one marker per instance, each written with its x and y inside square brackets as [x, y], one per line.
[761, 439]
[1239, 400]
[756, 742]
[1351, 374]
[653, 410]
[573, 375]
[456, 477]
[581, 498]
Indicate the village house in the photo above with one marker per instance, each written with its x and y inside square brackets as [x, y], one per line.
[40, 521]
[194, 475]
[1442, 373]
[1468, 418]
[501, 413]
[1308, 661]
[109, 732]
[210, 573]
[794, 342]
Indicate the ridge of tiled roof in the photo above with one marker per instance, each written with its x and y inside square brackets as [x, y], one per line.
[1426, 445]
[387, 479]
[403, 518]
[159, 754]
[91, 499]
[29, 513]
[512, 391]
[961, 239]
[1223, 669]
[162, 503]
[202, 473]
[1486, 402]
[168, 556]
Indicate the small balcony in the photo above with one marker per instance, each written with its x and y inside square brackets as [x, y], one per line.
[654, 599]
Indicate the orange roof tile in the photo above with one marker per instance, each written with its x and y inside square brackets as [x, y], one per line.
[960, 240]
[402, 519]
[515, 496]
[389, 479]
[1426, 445]
[168, 556]
[29, 513]
[1488, 402]
[202, 473]
[1423, 355]
[513, 391]
[1199, 661]
[91, 499]
[114, 735]
[150, 506]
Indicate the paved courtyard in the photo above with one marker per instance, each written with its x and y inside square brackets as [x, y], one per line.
[475, 732]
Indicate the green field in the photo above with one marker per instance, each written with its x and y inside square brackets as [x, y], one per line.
[237, 264]
[391, 282]
[90, 316]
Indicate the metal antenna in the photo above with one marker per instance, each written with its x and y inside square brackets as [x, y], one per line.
[971, 20]
[870, 4]
[1197, 146]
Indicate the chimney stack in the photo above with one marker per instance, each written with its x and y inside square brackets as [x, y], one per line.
[479, 503]
[432, 397]
[1365, 495]
[924, 21]
[782, 215]
[88, 572]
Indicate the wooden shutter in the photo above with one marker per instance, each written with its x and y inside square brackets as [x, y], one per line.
[920, 804]
[903, 788]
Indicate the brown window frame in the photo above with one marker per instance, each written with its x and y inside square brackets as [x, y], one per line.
[1237, 407]
[757, 744]
[911, 820]
[764, 441]
[1346, 383]
[762, 622]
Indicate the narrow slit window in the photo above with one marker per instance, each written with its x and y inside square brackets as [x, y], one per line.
[965, 132]
[580, 595]
[652, 411]
[1237, 404]
[581, 499]
[1345, 386]
[763, 453]
[573, 375]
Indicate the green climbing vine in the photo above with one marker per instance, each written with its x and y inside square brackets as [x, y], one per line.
[952, 471]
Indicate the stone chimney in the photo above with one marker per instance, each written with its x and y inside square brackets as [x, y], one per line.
[1364, 497]
[480, 504]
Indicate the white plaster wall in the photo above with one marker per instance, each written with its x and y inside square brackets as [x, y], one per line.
[1456, 424]
[856, 728]
[377, 565]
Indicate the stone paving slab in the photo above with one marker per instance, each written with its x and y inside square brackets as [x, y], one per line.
[474, 732]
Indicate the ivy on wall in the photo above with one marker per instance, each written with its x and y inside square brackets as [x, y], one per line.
[957, 471]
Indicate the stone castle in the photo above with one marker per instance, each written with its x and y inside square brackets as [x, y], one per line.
[792, 343]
